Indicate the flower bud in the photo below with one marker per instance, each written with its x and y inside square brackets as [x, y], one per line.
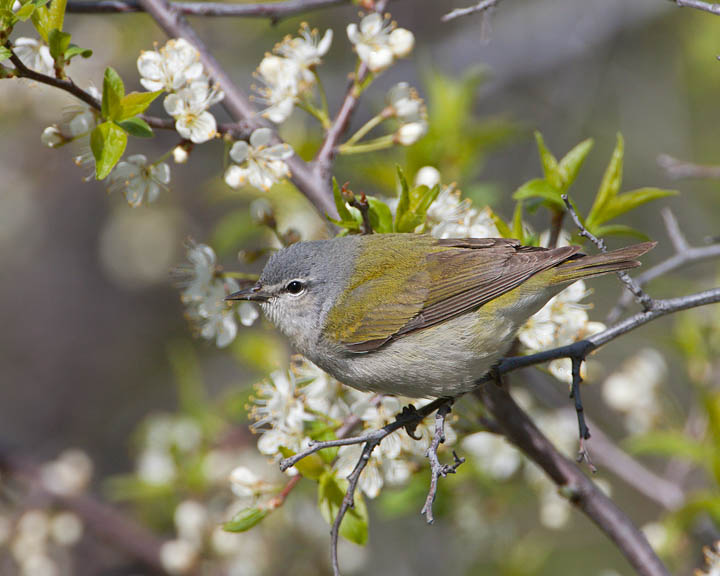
[51, 137]
[410, 133]
[427, 176]
[401, 42]
[180, 154]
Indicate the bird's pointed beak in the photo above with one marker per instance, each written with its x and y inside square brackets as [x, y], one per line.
[254, 294]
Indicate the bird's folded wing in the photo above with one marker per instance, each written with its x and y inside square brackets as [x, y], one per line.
[457, 276]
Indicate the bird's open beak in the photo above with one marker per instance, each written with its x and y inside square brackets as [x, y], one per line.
[254, 294]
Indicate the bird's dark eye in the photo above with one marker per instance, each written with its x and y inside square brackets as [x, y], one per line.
[295, 287]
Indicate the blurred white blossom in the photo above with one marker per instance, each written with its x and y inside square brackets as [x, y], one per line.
[427, 176]
[492, 454]
[52, 137]
[138, 180]
[259, 163]
[189, 106]
[177, 63]
[80, 119]
[405, 105]
[69, 474]
[156, 467]
[191, 521]
[633, 389]
[178, 556]
[378, 42]
[281, 84]
[66, 529]
[35, 55]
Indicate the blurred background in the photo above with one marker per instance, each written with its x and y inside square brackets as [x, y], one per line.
[94, 342]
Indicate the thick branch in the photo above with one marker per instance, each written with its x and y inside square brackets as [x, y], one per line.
[272, 10]
[684, 255]
[580, 490]
[235, 101]
[111, 525]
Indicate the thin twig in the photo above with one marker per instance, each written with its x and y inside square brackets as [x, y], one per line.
[237, 130]
[324, 157]
[699, 5]
[577, 487]
[479, 7]
[684, 254]
[680, 169]
[236, 102]
[364, 207]
[643, 299]
[436, 468]
[273, 10]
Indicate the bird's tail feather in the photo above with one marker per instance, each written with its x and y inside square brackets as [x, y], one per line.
[585, 266]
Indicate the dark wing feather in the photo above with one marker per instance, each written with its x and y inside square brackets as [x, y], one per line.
[464, 274]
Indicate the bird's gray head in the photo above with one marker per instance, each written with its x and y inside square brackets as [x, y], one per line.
[299, 285]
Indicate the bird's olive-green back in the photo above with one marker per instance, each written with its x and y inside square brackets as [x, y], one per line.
[405, 282]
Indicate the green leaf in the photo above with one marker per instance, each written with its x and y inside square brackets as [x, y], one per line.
[136, 103]
[517, 228]
[58, 43]
[56, 14]
[75, 50]
[113, 93]
[331, 492]
[107, 142]
[540, 188]
[629, 201]
[42, 18]
[672, 444]
[619, 230]
[136, 127]
[5, 53]
[245, 519]
[381, 218]
[340, 205]
[571, 163]
[25, 12]
[500, 224]
[549, 163]
[312, 466]
[610, 184]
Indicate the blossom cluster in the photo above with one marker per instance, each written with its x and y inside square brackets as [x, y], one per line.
[379, 42]
[290, 406]
[259, 162]
[40, 539]
[204, 293]
[176, 68]
[288, 74]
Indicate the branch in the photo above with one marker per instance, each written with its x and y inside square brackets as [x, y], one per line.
[273, 10]
[324, 157]
[684, 255]
[236, 103]
[679, 169]
[580, 490]
[642, 298]
[699, 5]
[237, 130]
[107, 522]
[479, 7]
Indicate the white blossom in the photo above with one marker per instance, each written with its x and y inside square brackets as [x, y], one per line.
[189, 108]
[307, 50]
[428, 176]
[279, 414]
[81, 119]
[377, 41]
[248, 313]
[178, 556]
[69, 474]
[35, 55]
[404, 102]
[138, 180]
[282, 81]
[259, 163]
[156, 467]
[170, 68]
[371, 479]
[191, 519]
[66, 529]
[452, 216]
[216, 316]
[633, 390]
[198, 278]
[52, 137]
[492, 454]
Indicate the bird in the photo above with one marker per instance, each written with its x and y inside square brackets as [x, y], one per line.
[412, 315]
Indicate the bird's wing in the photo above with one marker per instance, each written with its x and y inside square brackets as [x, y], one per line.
[456, 276]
